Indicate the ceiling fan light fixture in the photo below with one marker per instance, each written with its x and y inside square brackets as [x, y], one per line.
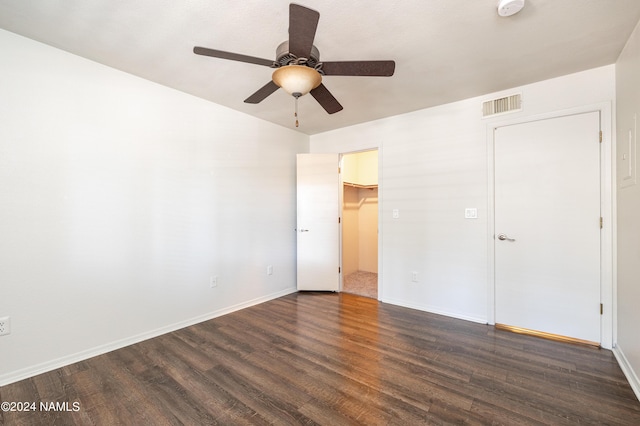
[296, 80]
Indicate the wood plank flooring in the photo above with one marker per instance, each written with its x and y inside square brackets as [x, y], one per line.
[334, 359]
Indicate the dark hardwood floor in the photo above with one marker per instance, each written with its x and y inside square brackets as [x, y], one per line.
[334, 359]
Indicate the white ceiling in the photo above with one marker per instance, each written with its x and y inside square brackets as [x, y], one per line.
[445, 50]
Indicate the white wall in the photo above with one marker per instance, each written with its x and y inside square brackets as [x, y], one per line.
[350, 230]
[368, 230]
[433, 164]
[628, 207]
[119, 198]
[360, 168]
[359, 230]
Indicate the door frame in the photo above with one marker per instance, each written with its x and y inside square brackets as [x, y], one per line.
[378, 149]
[607, 209]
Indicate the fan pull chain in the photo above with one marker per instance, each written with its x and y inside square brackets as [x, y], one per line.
[295, 113]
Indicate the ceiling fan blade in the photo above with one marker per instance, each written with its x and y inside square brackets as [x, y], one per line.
[262, 93]
[326, 99]
[360, 68]
[302, 30]
[231, 56]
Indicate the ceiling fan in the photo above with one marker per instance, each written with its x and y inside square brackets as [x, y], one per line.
[298, 67]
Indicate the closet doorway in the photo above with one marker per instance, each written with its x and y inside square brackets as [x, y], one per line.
[359, 172]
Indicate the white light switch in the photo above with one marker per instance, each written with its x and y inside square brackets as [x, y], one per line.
[396, 213]
[471, 213]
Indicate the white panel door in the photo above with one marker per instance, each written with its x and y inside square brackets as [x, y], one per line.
[547, 226]
[318, 183]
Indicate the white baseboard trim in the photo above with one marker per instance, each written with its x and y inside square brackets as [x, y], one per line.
[434, 310]
[626, 368]
[44, 367]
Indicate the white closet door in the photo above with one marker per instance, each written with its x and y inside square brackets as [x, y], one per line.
[547, 226]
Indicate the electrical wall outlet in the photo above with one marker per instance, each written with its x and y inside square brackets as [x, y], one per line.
[213, 281]
[5, 326]
[414, 277]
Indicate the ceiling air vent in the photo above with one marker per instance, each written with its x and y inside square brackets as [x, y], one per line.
[502, 105]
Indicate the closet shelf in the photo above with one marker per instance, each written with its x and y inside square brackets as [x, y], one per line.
[357, 185]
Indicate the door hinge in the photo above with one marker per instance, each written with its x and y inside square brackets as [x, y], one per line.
[338, 269]
[338, 220]
[601, 309]
[339, 171]
[601, 222]
[600, 136]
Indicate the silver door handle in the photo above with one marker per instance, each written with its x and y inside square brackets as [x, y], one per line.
[503, 237]
[304, 230]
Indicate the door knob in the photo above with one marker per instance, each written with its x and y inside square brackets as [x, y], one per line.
[304, 230]
[503, 237]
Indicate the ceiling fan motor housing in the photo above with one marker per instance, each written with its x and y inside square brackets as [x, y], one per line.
[284, 57]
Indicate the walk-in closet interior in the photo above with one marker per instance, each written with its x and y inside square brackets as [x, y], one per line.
[360, 223]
